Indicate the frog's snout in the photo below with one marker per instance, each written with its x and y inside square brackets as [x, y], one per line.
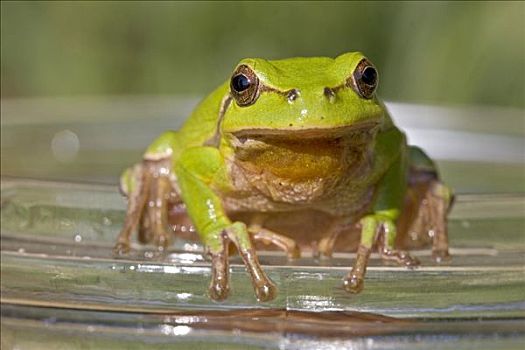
[294, 94]
[329, 93]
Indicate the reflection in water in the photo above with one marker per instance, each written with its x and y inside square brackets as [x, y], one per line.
[175, 330]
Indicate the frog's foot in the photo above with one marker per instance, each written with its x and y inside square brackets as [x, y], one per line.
[220, 272]
[121, 248]
[149, 190]
[145, 235]
[431, 218]
[265, 236]
[237, 233]
[354, 281]
[327, 244]
[399, 257]
[385, 242]
[378, 230]
[440, 199]
[134, 185]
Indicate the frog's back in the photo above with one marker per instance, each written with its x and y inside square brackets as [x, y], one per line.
[201, 126]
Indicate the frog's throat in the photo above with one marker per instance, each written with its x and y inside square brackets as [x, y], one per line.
[304, 155]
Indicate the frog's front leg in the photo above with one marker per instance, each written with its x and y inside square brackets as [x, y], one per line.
[379, 228]
[201, 173]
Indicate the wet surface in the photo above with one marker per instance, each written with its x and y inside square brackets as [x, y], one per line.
[59, 277]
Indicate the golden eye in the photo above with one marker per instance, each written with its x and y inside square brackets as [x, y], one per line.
[244, 86]
[364, 79]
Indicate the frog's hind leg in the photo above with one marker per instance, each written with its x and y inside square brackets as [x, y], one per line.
[145, 235]
[261, 234]
[157, 205]
[335, 230]
[427, 204]
[150, 191]
[133, 184]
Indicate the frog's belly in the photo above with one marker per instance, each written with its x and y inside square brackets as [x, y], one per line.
[347, 201]
[342, 189]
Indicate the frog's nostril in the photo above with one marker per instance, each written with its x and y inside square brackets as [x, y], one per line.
[292, 95]
[329, 93]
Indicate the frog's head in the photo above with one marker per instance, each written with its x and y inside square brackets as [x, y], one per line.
[301, 102]
[302, 95]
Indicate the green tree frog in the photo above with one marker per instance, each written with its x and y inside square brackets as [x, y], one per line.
[282, 143]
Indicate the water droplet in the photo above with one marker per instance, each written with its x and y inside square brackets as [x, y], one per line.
[184, 296]
[65, 145]
[78, 238]
[177, 330]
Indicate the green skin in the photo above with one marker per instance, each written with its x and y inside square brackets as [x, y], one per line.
[204, 167]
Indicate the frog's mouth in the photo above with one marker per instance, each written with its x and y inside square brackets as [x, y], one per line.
[304, 154]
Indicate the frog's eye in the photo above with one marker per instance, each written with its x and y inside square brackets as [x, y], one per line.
[364, 79]
[244, 86]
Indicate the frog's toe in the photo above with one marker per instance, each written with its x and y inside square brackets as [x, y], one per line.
[162, 241]
[266, 236]
[294, 253]
[265, 291]
[218, 291]
[440, 255]
[410, 261]
[220, 275]
[353, 284]
[121, 249]
[400, 257]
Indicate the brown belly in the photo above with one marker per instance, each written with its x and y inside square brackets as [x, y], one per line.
[297, 172]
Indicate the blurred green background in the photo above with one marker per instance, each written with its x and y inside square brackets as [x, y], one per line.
[439, 52]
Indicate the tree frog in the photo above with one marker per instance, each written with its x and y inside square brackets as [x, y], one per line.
[299, 140]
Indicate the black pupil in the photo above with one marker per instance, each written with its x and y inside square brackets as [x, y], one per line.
[369, 76]
[240, 82]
